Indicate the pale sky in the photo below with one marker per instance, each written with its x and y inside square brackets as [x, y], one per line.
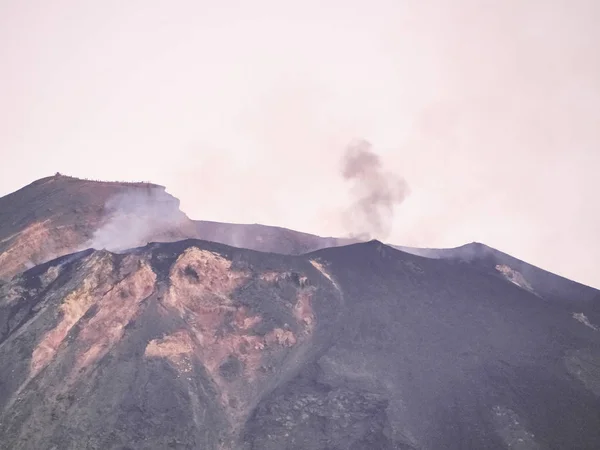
[489, 109]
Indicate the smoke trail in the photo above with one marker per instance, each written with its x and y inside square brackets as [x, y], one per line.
[375, 192]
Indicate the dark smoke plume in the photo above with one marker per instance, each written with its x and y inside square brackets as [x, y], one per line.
[375, 193]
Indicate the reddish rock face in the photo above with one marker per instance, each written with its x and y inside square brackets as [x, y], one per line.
[78, 316]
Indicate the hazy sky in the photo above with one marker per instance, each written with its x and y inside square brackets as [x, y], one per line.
[490, 110]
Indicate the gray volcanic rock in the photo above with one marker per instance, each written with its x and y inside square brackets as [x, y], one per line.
[466, 358]
[196, 345]
[489, 260]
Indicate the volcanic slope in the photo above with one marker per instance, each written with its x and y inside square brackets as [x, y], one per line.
[59, 215]
[167, 346]
[195, 345]
[480, 257]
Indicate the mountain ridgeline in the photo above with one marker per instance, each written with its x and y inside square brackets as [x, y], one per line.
[126, 325]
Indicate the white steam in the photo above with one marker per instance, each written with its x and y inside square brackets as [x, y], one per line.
[134, 218]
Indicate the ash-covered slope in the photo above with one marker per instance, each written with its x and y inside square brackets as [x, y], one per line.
[467, 359]
[198, 345]
[266, 238]
[481, 257]
[59, 215]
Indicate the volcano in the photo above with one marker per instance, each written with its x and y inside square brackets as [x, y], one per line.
[126, 325]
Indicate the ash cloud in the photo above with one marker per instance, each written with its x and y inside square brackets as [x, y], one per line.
[134, 218]
[375, 192]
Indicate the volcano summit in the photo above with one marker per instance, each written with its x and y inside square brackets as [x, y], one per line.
[126, 325]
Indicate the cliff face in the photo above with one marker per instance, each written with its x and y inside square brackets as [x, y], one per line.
[195, 345]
